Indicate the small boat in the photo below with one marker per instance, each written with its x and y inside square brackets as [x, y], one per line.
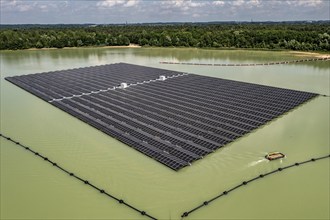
[274, 156]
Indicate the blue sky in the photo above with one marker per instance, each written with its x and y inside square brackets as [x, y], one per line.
[138, 11]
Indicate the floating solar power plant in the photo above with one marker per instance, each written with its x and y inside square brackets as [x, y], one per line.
[173, 117]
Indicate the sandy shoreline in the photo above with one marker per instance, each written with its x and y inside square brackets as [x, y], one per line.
[309, 54]
[91, 47]
[297, 53]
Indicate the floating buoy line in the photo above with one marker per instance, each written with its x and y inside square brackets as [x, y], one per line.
[144, 213]
[247, 64]
[71, 174]
[246, 182]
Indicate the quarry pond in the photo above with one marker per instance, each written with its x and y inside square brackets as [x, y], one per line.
[33, 189]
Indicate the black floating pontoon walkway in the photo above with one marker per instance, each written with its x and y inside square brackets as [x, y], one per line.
[173, 117]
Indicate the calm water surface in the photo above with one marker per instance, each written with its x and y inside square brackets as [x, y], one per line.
[32, 189]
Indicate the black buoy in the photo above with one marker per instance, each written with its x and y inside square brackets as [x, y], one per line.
[261, 175]
[297, 164]
[45, 158]
[27, 148]
[280, 169]
[101, 191]
[185, 214]
[36, 153]
[17, 142]
[244, 183]
[86, 182]
[71, 174]
[121, 201]
[313, 159]
[143, 213]
[54, 164]
[225, 192]
[8, 138]
[206, 203]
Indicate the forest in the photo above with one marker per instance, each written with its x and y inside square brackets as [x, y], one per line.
[300, 36]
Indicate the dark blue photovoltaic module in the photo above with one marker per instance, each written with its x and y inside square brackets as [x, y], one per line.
[173, 117]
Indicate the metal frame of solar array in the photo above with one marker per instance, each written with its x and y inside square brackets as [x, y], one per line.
[176, 121]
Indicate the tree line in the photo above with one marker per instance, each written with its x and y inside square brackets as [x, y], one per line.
[302, 36]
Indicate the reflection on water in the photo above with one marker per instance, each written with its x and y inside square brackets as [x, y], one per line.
[162, 54]
[32, 189]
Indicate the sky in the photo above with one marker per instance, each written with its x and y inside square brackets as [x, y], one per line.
[142, 11]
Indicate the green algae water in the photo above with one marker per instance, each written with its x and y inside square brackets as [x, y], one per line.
[33, 189]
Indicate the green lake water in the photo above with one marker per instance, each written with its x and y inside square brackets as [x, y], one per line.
[33, 189]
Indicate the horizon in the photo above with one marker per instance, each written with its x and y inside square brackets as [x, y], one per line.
[179, 22]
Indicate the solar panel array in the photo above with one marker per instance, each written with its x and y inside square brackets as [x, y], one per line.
[175, 121]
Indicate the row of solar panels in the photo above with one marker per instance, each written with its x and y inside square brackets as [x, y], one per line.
[142, 124]
[268, 105]
[181, 127]
[142, 141]
[189, 105]
[177, 112]
[249, 91]
[84, 80]
[221, 102]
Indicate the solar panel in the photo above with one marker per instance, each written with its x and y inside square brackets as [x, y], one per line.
[172, 117]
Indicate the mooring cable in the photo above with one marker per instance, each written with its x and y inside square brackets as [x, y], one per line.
[247, 64]
[185, 214]
[244, 183]
[86, 182]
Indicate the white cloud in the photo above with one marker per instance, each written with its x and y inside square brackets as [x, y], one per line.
[43, 7]
[308, 3]
[219, 3]
[85, 11]
[10, 3]
[24, 6]
[112, 3]
[183, 5]
[131, 3]
[238, 3]
[254, 2]
[13, 5]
